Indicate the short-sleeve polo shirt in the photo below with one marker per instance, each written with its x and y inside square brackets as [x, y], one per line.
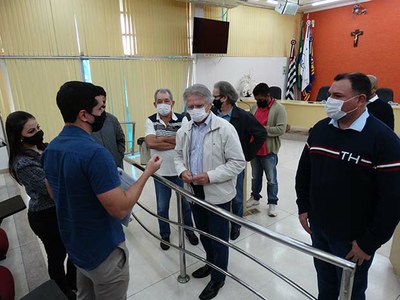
[78, 169]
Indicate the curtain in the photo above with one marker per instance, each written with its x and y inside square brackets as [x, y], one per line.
[37, 28]
[160, 26]
[5, 101]
[130, 85]
[34, 85]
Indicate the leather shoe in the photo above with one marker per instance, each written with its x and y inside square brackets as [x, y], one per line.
[235, 232]
[193, 239]
[211, 290]
[164, 246]
[202, 272]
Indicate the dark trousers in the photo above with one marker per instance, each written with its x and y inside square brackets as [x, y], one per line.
[205, 220]
[329, 276]
[44, 225]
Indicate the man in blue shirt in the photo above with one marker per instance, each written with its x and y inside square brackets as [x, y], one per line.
[82, 178]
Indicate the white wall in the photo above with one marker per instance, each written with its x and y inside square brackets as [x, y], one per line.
[271, 70]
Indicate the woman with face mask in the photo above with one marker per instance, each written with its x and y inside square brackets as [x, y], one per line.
[26, 145]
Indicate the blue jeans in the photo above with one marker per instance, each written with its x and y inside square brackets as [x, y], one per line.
[329, 276]
[268, 165]
[163, 196]
[237, 202]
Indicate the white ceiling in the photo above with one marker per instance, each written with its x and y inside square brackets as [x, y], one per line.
[306, 5]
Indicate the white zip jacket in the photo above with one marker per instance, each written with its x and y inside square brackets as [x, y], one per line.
[223, 158]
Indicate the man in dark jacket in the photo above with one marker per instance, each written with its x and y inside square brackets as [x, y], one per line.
[111, 135]
[347, 184]
[251, 134]
[379, 108]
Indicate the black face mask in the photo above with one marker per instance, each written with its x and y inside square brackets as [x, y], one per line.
[217, 104]
[98, 121]
[262, 104]
[36, 139]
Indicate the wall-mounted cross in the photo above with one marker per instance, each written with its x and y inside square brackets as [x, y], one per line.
[356, 34]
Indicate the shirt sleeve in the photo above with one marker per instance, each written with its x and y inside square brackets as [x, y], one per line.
[32, 175]
[149, 128]
[120, 137]
[102, 172]
[303, 181]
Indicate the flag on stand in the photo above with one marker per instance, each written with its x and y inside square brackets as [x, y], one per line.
[299, 56]
[305, 60]
[307, 92]
[305, 69]
[291, 78]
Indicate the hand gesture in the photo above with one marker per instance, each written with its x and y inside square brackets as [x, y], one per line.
[153, 164]
[201, 179]
[186, 176]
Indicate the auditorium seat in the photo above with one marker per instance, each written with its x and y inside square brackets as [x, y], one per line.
[385, 94]
[7, 287]
[323, 93]
[275, 92]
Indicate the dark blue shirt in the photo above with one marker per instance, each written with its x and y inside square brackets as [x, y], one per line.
[78, 169]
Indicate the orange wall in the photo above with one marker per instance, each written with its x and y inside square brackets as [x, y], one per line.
[378, 50]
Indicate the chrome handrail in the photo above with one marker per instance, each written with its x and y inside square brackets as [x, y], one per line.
[347, 266]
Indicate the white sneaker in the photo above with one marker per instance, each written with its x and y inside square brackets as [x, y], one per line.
[252, 202]
[272, 210]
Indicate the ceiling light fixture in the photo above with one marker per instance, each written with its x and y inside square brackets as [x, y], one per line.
[323, 2]
[272, 1]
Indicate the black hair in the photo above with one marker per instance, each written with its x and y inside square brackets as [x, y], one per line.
[99, 91]
[261, 89]
[15, 123]
[360, 82]
[75, 96]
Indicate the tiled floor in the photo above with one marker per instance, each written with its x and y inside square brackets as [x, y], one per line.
[154, 272]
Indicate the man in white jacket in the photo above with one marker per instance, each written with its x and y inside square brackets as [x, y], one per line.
[209, 158]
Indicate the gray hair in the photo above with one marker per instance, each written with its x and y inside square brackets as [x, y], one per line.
[226, 89]
[198, 90]
[373, 81]
[163, 91]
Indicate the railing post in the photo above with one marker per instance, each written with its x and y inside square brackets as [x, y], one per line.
[183, 277]
[346, 285]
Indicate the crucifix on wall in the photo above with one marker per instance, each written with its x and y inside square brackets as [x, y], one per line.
[356, 34]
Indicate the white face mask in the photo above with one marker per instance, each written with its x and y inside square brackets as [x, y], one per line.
[163, 109]
[198, 114]
[333, 108]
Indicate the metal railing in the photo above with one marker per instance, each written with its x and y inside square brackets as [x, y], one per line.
[348, 267]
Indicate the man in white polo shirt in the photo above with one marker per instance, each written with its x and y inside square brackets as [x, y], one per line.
[161, 129]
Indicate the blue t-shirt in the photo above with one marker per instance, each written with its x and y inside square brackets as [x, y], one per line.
[78, 169]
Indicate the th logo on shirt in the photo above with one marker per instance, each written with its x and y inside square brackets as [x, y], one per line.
[347, 156]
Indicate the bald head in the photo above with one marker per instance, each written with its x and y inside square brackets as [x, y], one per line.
[374, 83]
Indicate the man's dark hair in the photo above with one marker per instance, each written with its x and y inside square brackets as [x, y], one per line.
[75, 96]
[360, 82]
[100, 91]
[261, 89]
[227, 90]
